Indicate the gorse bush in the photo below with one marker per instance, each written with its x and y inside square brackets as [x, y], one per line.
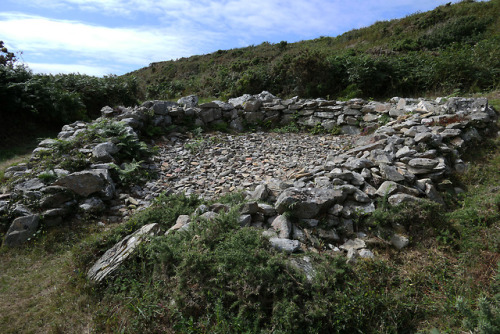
[451, 47]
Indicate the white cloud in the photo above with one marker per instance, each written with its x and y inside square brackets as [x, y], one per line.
[180, 28]
[138, 46]
[254, 17]
[69, 68]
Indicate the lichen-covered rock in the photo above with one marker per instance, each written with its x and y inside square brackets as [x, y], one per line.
[285, 245]
[283, 226]
[114, 256]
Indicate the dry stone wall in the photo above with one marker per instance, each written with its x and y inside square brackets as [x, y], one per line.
[404, 149]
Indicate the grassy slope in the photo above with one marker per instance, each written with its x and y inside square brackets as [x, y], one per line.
[42, 288]
[300, 68]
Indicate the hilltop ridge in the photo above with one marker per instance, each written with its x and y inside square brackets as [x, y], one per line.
[450, 49]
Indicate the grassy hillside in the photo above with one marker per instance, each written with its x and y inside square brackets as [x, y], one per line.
[453, 48]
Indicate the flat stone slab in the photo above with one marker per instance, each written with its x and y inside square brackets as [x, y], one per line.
[114, 256]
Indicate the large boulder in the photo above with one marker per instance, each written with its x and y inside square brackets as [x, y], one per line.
[21, 229]
[86, 182]
[309, 202]
[114, 256]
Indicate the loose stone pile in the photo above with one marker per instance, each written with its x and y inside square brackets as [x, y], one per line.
[216, 163]
[404, 149]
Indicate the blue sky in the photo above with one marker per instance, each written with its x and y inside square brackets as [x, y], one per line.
[100, 37]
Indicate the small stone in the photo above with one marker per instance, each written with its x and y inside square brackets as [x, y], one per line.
[285, 245]
[399, 241]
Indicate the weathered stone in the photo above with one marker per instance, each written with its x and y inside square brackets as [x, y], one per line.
[267, 210]
[308, 203]
[209, 215]
[330, 235]
[366, 254]
[353, 244]
[398, 199]
[114, 256]
[285, 245]
[30, 185]
[245, 220]
[260, 193]
[283, 226]
[249, 208]
[21, 230]
[399, 241]
[391, 173]
[188, 101]
[182, 223]
[103, 152]
[423, 163]
[93, 205]
[86, 182]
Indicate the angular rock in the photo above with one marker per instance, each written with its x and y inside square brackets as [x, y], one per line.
[103, 152]
[181, 224]
[391, 173]
[93, 205]
[188, 101]
[245, 220]
[283, 226]
[21, 229]
[87, 182]
[308, 203]
[398, 199]
[366, 254]
[285, 245]
[114, 256]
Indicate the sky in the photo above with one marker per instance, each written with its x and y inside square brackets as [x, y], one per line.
[103, 37]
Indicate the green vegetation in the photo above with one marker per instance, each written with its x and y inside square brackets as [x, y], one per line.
[451, 48]
[218, 277]
[38, 101]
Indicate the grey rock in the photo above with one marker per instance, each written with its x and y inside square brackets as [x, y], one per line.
[352, 256]
[353, 244]
[181, 224]
[350, 130]
[104, 152]
[114, 256]
[391, 173]
[252, 105]
[249, 208]
[423, 163]
[399, 241]
[209, 215]
[188, 101]
[260, 193]
[21, 229]
[87, 182]
[366, 254]
[30, 185]
[238, 102]
[329, 235]
[92, 205]
[308, 203]
[398, 199]
[304, 264]
[285, 245]
[267, 210]
[283, 226]
[245, 220]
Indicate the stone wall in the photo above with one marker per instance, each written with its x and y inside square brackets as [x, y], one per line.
[405, 150]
